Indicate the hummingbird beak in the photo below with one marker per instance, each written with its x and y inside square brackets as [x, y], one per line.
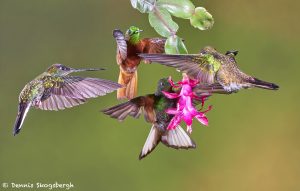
[140, 30]
[86, 69]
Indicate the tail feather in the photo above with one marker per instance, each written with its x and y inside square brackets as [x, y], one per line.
[22, 112]
[176, 138]
[152, 141]
[265, 85]
[129, 81]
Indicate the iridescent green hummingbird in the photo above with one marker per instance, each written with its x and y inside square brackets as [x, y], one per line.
[154, 106]
[212, 67]
[56, 90]
[128, 48]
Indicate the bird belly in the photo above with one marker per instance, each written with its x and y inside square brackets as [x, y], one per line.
[232, 87]
[31, 92]
[131, 64]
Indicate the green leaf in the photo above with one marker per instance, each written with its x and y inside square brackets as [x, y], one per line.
[179, 8]
[175, 45]
[202, 19]
[144, 6]
[160, 19]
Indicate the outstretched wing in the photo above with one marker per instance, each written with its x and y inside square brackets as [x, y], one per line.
[70, 91]
[55, 102]
[153, 45]
[121, 45]
[194, 65]
[134, 108]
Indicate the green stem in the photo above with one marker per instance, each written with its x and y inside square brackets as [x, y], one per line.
[158, 14]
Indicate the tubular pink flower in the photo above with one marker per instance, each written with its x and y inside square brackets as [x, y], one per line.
[185, 110]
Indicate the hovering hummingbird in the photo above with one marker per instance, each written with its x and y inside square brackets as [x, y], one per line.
[154, 107]
[56, 90]
[211, 67]
[128, 48]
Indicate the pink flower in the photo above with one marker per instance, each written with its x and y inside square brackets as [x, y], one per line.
[185, 110]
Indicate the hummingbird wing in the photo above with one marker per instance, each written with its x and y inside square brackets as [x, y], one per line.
[134, 108]
[192, 64]
[153, 45]
[121, 45]
[70, 91]
[56, 102]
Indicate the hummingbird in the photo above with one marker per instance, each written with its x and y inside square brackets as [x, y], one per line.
[128, 48]
[154, 106]
[56, 90]
[212, 68]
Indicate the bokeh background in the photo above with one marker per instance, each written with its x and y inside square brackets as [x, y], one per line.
[252, 142]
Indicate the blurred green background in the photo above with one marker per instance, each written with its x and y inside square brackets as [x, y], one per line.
[252, 142]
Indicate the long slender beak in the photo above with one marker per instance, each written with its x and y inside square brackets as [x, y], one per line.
[86, 69]
[140, 30]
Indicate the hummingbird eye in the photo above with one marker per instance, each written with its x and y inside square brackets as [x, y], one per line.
[62, 68]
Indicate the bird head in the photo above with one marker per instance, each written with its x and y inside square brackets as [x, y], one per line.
[62, 70]
[208, 50]
[133, 34]
[163, 85]
[232, 53]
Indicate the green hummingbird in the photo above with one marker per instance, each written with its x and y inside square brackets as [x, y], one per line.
[211, 67]
[56, 90]
[128, 48]
[154, 106]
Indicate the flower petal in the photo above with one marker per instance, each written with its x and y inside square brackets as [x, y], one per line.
[170, 95]
[202, 119]
[188, 119]
[172, 111]
[185, 109]
[174, 122]
[209, 108]
[172, 83]
[189, 129]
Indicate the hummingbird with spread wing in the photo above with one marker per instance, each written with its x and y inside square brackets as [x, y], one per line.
[128, 48]
[154, 107]
[211, 68]
[56, 90]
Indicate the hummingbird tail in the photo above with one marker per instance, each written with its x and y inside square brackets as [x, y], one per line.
[129, 81]
[22, 112]
[152, 141]
[265, 85]
[177, 139]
